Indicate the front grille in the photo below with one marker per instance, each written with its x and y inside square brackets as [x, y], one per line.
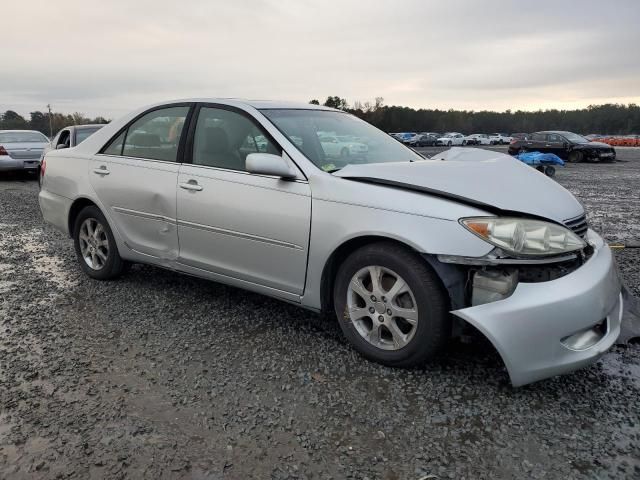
[578, 225]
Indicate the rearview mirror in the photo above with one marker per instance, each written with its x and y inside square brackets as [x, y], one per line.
[269, 164]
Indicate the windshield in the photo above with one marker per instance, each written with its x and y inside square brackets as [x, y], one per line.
[23, 137]
[333, 140]
[574, 137]
[83, 133]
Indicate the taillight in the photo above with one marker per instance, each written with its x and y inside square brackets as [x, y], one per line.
[43, 167]
[513, 140]
[3, 151]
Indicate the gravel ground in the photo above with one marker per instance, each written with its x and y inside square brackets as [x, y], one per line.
[159, 375]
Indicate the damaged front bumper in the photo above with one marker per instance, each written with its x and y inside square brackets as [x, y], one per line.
[554, 327]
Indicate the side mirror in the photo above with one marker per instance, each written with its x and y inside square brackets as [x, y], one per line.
[61, 146]
[270, 164]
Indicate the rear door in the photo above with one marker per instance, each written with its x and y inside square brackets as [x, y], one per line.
[555, 144]
[135, 177]
[536, 142]
[245, 229]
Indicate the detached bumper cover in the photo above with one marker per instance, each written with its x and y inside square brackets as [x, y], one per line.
[527, 327]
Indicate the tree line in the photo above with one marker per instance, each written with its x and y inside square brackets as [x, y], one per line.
[39, 121]
[615, 119]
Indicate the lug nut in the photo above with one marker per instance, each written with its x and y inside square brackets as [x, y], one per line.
[389, 311]
[373, 298]
[371, 309]
[381, 318]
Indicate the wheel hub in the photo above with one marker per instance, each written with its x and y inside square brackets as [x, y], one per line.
[382, 308]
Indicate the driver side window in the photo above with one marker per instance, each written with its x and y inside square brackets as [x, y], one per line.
[223, 139]
[64, 139]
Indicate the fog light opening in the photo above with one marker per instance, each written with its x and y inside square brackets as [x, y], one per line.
[493, 285]
[586, 338]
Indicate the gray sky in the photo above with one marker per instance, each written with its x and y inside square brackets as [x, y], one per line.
[108, 57]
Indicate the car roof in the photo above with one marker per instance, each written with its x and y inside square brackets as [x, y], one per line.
[88, 125]
[257, 104]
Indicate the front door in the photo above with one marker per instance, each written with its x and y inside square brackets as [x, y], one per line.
[135, 180]
[251, 230]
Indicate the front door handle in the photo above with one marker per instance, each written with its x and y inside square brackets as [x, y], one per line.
[103, 170]
[191, 185]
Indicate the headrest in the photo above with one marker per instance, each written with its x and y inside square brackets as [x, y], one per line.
[144, 140]
[216, 140]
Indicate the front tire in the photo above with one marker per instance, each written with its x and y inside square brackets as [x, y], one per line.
[575, 157]
[391, 306]
[95, 245]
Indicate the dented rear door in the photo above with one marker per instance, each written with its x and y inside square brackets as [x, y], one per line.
[139, 197]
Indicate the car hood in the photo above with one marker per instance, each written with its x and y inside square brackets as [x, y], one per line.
[592, 145]
[488, 180]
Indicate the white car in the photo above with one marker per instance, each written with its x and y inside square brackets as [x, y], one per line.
[500, 138]
[450, 139]
[341, 146]
[478, 139]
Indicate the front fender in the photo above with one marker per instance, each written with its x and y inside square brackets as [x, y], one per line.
[335, 223]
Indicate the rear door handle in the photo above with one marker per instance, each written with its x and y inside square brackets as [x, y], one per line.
[191, 185]
[102, 170]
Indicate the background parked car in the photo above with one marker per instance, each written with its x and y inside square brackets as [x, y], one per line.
[477, 139]
[404, 136]
[450, 139]
[341, 146]
[518, 136]
[71, 136]
[423, 140]
[567, 145]
[21, 149]
[500, 138]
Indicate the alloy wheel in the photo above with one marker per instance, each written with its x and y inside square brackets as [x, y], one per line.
[94, 243]
[382, 308]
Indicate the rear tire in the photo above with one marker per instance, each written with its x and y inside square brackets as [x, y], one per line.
[95, 245]
[373, 320]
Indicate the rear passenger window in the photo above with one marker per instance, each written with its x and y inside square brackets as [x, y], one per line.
[115, 147]
[156, 135]
[538, 137]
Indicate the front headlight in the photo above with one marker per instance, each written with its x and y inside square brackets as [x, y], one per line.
[524, 237]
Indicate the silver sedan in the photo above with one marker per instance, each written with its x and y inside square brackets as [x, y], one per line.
[21, 149]
[405, 251]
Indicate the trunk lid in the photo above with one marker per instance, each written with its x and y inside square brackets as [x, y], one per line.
[25, 151]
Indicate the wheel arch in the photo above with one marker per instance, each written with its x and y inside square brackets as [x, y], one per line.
[345, 249]
[76, 207]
